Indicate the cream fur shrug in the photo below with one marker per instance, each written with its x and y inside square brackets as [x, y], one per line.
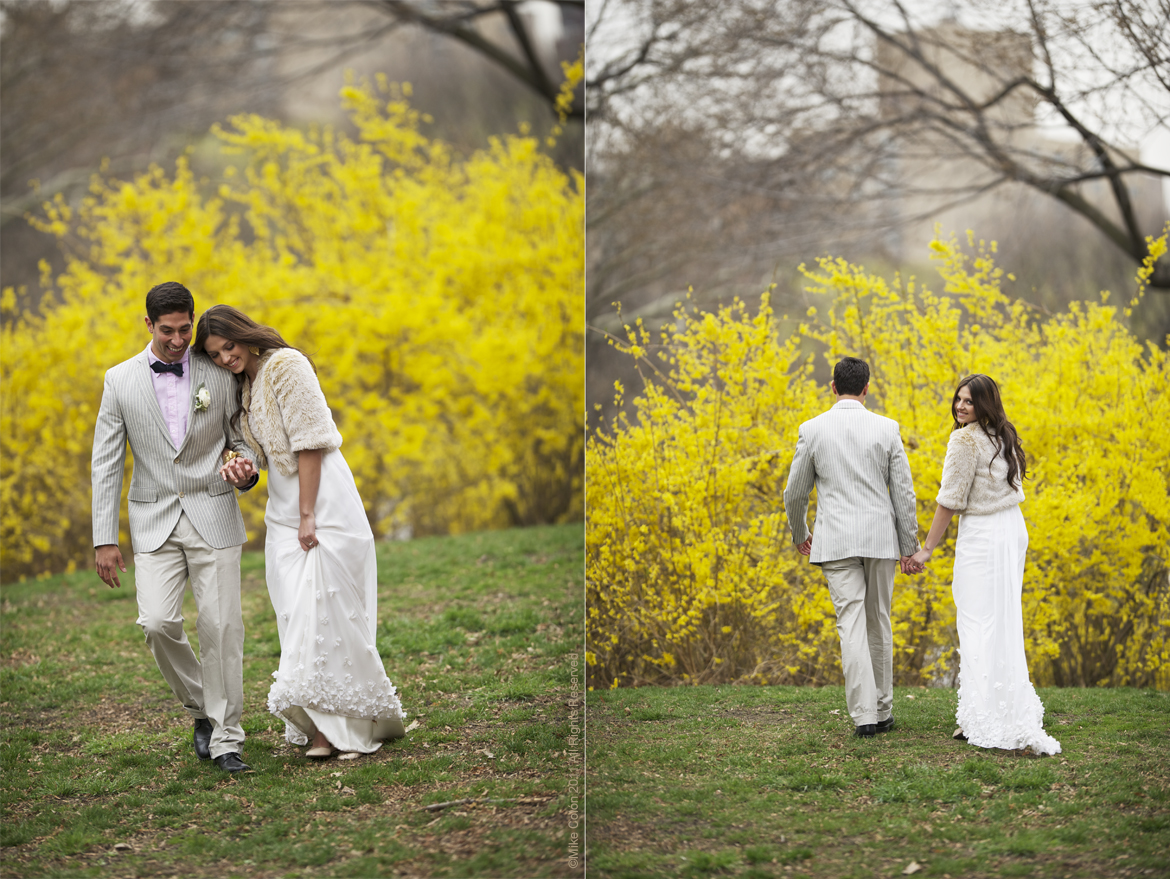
[971, 482]
[285, 411]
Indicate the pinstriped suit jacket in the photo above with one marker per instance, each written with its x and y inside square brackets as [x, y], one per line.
[865, 494]
[166, 481]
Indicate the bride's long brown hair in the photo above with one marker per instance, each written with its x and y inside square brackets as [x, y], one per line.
[990, 416]
[231, 323]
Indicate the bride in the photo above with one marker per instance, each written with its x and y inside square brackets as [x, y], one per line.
[982, 479]
[319, 561]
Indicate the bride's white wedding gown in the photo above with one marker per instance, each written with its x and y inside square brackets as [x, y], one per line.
[330, 677]
[998, 706]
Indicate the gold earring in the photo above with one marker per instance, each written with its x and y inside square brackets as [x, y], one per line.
[255, 352]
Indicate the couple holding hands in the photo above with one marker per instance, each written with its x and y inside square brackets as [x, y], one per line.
[866, 526]
[197, 423]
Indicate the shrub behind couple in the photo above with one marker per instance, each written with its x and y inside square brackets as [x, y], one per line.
[194, 432]
[866, 526]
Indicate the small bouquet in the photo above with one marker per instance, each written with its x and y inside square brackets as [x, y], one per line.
[202, 398]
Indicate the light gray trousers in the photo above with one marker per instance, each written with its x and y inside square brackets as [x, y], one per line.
[862, 589]
[214, 688]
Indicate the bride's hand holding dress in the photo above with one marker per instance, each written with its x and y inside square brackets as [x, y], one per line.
[309, 477]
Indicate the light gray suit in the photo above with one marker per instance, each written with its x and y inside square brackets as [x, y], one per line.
[865, 521]
[166, 481]
[184, 522]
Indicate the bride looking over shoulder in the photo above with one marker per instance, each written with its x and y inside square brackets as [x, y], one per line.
[982, 480]
[331, 688]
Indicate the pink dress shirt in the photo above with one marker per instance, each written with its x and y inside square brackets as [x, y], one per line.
[174, 395]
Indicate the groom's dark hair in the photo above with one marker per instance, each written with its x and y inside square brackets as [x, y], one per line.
[850, 375]
[169, 298]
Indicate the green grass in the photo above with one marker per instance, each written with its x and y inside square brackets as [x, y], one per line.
[476, 631]
[768, 781]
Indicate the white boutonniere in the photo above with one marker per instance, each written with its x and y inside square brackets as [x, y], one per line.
[202, 398]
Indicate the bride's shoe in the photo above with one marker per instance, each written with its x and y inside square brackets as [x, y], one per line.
[322, 748]
[958, 735]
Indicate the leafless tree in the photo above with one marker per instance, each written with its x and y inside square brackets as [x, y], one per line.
[729, 141]
[1145, 26]
[82, 81]
[891, 114]
[458, 19]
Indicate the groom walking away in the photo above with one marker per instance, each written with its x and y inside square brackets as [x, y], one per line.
[175, 410]
[865, 522]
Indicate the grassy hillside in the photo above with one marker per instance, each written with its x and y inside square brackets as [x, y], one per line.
[477, 631]
[768, 781]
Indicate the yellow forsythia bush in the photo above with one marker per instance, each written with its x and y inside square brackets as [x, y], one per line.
[688, 574]
[691, 574]
[439, 296]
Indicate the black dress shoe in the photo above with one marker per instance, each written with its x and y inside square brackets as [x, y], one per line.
[231, 762]
[203, 738]
[885, 725]
[866, 731]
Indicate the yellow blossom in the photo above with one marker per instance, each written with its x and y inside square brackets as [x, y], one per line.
[439, 296]
[689, 556]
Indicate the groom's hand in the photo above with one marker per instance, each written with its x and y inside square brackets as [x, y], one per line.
[915, 564]
[806, 547]
[238, 471]
[108, 560]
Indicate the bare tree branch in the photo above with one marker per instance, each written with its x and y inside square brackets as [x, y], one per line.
[458, 21]
[844, 92]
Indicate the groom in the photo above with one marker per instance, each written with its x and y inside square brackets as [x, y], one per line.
[175, 409]
[865, 522]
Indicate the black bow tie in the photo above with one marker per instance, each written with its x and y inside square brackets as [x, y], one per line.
[160, 367]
